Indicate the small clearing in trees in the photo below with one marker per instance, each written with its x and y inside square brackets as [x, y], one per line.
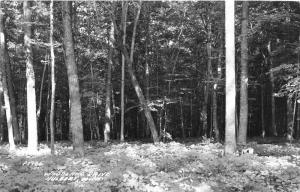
[173, 166]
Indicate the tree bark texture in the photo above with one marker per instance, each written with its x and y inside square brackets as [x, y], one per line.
[74, 94]
[243, 123]
[30, 77]
[230, 135]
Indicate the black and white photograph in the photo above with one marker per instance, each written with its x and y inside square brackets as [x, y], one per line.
[149, 96]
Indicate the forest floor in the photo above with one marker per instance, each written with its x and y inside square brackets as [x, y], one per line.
[135, 166]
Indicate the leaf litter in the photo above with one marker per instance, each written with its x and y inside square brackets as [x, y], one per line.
[173, 166]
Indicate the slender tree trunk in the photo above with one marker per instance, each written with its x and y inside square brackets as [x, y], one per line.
[31, 97]
[204, 111]
[294, 118]
[107, 126]
[163, 132]
[74, 93]
[274, 129]
[3, 63]
[48, 106]
[124, 19]
[114, 132]
[41, 89]
[215, 117]
[243, 123]
[290, 124]
[297, 121]
[230, 135]
[191, 115]
[52, 57]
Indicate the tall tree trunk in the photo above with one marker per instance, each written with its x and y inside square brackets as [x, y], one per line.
[31, 97]
[137, 88]
[124, 19]
[74, 94]
[230, 140]
[107, 127]
[48, 106]
[274, 129]
[243, 123]
[12, 100]
[3, 63]
[52, 57]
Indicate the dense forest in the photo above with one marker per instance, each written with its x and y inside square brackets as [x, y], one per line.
[111, 73]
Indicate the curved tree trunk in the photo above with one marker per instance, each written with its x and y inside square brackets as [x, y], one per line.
[230, 140]
[137, 88]
[136, 85]
[74, 94]
[31, 97]
[243, 123]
